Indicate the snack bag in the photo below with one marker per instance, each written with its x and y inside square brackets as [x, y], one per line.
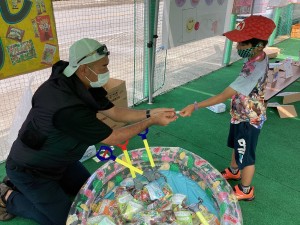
[178, 201]
[105, 207]
[127, 182]
[143, 196]
[122, 200]
[154, 190]
[184, 217]
[145, 217]
[154, 217]
[119, 191]
[160, 205]
[159, 189]
[132, 208]
[100, 220]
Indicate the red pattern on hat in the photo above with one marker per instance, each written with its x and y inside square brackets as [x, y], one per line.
[258, 27]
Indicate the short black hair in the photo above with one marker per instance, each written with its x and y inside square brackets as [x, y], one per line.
[255, 42]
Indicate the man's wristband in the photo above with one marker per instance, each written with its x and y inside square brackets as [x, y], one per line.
[196, 105]
[148, 113]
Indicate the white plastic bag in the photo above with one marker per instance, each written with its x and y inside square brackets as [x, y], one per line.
[21, 113]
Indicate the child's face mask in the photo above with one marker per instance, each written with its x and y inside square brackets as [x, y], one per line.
[245, 53]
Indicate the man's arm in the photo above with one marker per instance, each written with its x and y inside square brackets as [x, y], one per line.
[127, 115]
[125, 133]
[81, 123]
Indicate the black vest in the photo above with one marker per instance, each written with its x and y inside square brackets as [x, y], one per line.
[39, 144]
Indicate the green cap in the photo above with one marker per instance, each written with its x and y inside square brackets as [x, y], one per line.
[82, 52]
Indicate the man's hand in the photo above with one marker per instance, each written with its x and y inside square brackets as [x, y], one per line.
[159, 110]
[163, 118]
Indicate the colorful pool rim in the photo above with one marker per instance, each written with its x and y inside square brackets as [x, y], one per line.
[177, 159]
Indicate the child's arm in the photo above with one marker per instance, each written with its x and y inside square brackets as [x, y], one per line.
[222, 97]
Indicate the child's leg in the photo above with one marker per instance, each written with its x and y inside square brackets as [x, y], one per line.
[233, 163]
[232, 172]
[247, 175]
[245, 141]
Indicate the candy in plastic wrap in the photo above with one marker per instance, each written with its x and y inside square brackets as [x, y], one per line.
[127, 182]
[160, 205]
[184, 217]
[143, 196]
[212, 219]
[100, 220]
[178, 201]
[105, 207]
[159, 189]
[122, 200]
[132, 208]
[120, 190]
[119, 220]
[168, 216]
[154, 190]
[167, 190]
[145, 217]
[154, 217]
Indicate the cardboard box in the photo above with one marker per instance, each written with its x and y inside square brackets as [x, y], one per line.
[295, 32]
[290, 97]
[285, 111]
[272, 52]
[116, 89]
[113, 124]
[117, 94]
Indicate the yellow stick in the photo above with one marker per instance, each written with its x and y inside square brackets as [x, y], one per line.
[149, 153]
[202, 219]
[129, 166]
[129, 162]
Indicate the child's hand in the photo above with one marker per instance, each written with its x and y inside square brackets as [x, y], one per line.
[187, 111]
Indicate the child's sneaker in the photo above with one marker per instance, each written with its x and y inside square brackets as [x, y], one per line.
[228, 175]
[240, 195]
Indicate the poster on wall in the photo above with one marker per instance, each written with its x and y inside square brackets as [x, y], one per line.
[28, 40]
[186, 21]
[278, 3]
[245, 6]
[242, 6]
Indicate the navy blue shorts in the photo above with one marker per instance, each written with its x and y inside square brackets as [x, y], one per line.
[243, 139]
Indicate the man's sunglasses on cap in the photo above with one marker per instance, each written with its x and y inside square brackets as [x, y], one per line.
[101, 51]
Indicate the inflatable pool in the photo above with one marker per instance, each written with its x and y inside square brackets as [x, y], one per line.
[174, 163]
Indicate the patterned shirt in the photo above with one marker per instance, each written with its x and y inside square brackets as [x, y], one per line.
[248, 104]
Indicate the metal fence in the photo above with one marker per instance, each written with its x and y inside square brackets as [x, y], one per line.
[120, 25]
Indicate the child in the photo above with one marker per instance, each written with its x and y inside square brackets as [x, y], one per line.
[248, 111]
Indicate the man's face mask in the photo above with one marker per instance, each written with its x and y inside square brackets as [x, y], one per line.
[102, 79]
[245, 53]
